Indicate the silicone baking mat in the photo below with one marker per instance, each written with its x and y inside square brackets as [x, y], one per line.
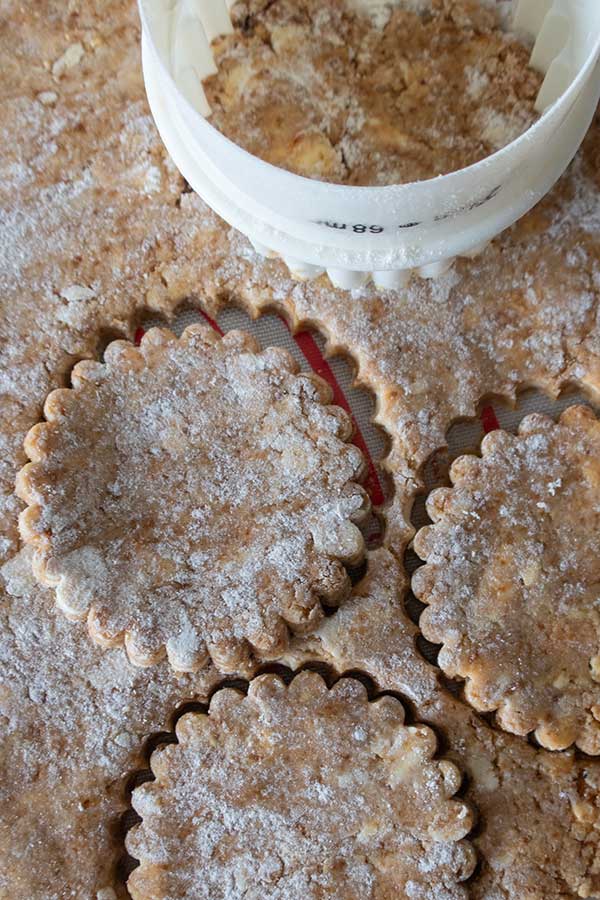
[308, 348]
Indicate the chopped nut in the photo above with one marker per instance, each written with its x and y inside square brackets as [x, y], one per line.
[584, 812]
[531, 573]
[70, 58]
[561, 681]
[106, 893]
[77, 292]
[48, 98]
[124, 739]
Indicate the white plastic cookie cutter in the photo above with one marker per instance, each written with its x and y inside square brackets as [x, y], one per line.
[356, 233]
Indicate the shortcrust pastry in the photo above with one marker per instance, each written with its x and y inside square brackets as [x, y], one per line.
[74, 720]
[96, 227]
[88, 711]
[538, 834]
[513, 578]
[300, 793]
[193, 497]
[371, 94]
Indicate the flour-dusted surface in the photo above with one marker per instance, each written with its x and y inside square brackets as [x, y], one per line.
[524, 313]
[513, 578]
[97, 229]
[371, 94]
[193, 497]
[88, 205]
[300, 793]
[73, 722]
[538, 832]
[428, 352]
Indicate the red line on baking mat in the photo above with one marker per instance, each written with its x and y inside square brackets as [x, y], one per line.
[211, 322]
[489, 419]
[312, 354]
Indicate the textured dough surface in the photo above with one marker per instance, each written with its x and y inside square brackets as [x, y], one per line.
[73, 724]
[300, 793]
[426, 351]
[96, 226]
[538, 832]
[193, 497]
[512, 580]
[370, 94]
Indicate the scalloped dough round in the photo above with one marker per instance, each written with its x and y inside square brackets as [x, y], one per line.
[193, 497]
[300, 793]
[512, 580]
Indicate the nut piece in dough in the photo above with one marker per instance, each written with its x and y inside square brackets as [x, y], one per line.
[193, 497]
[513, 578]
[300, 793]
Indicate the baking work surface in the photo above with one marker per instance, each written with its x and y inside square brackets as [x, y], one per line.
[100, 239]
